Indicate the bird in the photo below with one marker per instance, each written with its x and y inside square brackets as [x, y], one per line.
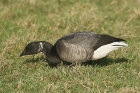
[77, 47]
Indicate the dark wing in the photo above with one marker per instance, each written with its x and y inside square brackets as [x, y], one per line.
[77, 47]
[106, 39]
[87, 39]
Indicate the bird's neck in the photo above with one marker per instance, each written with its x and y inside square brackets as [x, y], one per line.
[51, 54]
[46, 48]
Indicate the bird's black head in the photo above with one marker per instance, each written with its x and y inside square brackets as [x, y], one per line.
[33, 48]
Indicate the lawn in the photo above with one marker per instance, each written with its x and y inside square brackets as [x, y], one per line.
[23, 21]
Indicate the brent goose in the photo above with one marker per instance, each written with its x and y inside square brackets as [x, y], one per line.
[76, 47]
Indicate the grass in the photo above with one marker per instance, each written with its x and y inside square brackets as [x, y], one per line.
[23, 21]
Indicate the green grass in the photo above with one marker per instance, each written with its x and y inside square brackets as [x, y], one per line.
[23, 21]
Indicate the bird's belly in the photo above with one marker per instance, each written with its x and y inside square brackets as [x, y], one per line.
[76, 54]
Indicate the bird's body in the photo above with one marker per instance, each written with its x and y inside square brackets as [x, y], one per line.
[77, 47]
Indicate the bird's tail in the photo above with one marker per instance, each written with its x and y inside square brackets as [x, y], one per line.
[119, 44]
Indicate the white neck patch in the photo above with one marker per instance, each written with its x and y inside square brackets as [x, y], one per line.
[40, 47]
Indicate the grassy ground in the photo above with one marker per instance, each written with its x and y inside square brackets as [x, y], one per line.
[22, 21]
